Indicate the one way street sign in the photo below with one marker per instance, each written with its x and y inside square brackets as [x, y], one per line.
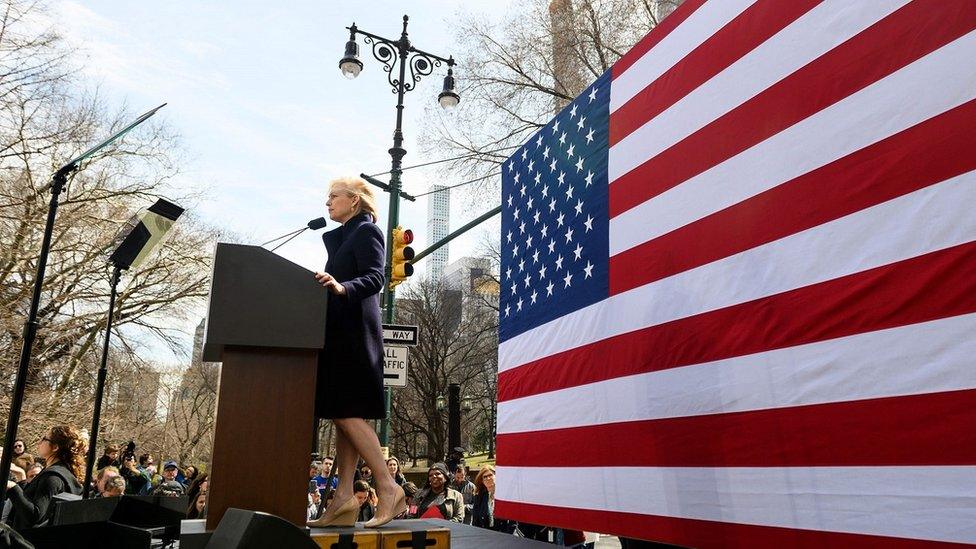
[398, 334]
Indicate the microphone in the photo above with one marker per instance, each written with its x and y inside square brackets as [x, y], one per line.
[315, 224]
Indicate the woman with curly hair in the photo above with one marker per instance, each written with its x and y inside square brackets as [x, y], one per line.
[63, 450]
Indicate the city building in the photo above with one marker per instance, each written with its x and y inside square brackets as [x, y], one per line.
[438, 227]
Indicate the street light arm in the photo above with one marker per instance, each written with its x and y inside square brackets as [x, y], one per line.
[450, 60]
[354, 30]
[386, 187]
[391, 52]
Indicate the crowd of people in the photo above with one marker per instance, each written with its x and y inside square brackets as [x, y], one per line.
[57, 467]
[448, 494]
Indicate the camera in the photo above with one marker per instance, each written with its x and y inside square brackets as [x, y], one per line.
[129, 454]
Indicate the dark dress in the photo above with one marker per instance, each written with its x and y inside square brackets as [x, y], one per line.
[350, 373]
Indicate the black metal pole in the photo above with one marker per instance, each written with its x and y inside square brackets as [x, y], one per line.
[453, 416]
[30, 330]
[100, 383]
[468, 226]
[392, 52]
[396, 153]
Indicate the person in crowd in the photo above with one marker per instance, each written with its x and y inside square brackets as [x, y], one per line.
[461, 483]
[21, 458]
[114, 486]
[104, 475]
[314, 505]
[454, 457]
[327, 463]
[483, 508]
[63, 450]
[198, 506]
[109, 458]
[147, 468]
[366, 474]
[33, 471]
[393, 465]
[169, 488]
[199, 485]
[189, 473]
[168, 485]
[137, 480]
[411, 490]
[350, 376]
[366, 509]
[329, 497]
[316, 479]
[147, 465]
[438, 500]
[171, 473]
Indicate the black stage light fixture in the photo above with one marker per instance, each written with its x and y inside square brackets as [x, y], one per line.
[143, 233]
[140, 236]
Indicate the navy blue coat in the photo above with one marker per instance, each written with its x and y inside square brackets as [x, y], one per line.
[350, 374]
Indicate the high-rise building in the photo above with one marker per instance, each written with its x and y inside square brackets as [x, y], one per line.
[567, 68]
[438, 226]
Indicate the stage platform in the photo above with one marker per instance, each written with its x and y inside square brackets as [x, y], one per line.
[193, 534]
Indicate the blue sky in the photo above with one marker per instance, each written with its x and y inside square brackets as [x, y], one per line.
[264, 115]
[263, 112]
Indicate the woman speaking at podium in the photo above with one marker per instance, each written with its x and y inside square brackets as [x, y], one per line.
[350, 373]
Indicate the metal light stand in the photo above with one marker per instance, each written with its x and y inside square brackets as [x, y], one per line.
[58, 182]
[100, 384]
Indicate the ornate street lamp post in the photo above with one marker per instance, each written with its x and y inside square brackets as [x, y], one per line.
[398, 57]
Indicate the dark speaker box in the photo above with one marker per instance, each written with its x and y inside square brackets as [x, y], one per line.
[91, 535]
[240, 529]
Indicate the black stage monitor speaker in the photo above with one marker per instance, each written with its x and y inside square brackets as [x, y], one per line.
[84, 510]
[92, 535]
[240, 529]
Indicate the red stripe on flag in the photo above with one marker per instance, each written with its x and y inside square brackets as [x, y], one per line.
[699, 533]
[933, 151]
[904, 430]
[906, 35]
[740, 36]
[879, 298]
[656, 35]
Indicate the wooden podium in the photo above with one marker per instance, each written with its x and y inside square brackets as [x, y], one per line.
[266, 324]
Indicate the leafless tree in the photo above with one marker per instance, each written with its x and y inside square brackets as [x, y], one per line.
[46, 118]
[457, 344]
[515, 74]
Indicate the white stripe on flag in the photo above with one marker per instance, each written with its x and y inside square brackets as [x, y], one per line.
[699, 26]
[933, 503]
[930, 219]
[815, 33]
[929, 357]
[890, 105]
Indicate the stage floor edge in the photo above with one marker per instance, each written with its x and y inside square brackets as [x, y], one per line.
[193, 534]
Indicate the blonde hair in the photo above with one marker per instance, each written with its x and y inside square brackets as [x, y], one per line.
[355, 186]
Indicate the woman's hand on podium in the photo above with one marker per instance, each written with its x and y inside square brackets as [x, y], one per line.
[331, 283]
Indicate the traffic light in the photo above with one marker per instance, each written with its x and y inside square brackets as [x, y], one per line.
[402, 254]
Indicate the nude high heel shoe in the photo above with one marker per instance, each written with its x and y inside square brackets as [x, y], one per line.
[398, 507]
[345, 515]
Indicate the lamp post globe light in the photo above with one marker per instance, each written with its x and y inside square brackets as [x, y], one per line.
[350, 65]
[398, 57]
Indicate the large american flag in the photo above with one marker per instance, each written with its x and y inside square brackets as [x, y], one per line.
[738, 299]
